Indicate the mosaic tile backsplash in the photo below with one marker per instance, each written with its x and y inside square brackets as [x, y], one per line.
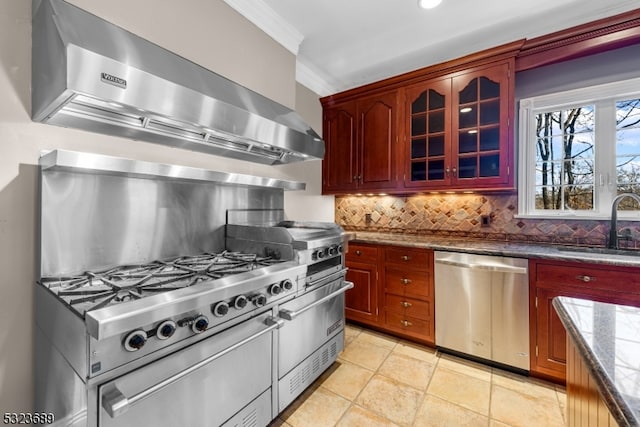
[461, 215]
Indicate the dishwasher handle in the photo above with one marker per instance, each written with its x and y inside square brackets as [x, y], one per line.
[290, 315]
[500, 268]
[115, 403]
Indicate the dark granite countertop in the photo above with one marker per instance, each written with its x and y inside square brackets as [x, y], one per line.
[510, 249]
[607, 336]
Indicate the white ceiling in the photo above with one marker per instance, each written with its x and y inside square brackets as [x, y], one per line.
[341, 44]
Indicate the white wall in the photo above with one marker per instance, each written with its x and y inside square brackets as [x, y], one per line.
[205, 31]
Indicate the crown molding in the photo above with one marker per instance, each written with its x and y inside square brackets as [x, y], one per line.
[263, 17]
[312, 80]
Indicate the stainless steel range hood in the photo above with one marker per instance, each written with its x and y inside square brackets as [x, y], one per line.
[92, 75]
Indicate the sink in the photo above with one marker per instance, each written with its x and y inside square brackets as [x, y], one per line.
[598, 250]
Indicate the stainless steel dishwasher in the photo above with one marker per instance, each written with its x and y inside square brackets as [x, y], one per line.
[482, 307]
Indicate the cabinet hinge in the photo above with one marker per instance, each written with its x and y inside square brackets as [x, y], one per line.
[376, 311]
[508, 170]
[536, 302]
[536, 351]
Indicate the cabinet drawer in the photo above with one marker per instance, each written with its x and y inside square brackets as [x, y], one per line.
[586, 276]
[412, 258]
[407, 282]
[408, 324]
[359, 253]
[408, 306]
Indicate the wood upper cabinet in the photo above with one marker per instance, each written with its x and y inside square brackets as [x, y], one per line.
[361, 142]
[340, 164]
[457, 131]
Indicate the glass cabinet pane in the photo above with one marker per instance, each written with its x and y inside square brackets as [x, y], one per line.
[469, 93]
[436, 121]
[436, 145]
[467, 167]
[490, 139]
[490, 165]
[420, 104]
[418, 148]
[467, 142]
[418, 171]
[436, 100]
[468, 116]
[489, 88]
[436, 170]
[418, 125]
[490, 112]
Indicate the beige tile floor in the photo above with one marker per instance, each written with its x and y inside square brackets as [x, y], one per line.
[380, 380]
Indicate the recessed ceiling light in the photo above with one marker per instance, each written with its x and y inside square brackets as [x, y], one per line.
[428, 4]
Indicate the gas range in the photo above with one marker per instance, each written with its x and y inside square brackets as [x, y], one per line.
[147, 307]
[93, 290]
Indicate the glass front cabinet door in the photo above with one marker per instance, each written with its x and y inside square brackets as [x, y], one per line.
[458, 131]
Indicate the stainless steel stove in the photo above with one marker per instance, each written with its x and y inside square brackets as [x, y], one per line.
[128, 331]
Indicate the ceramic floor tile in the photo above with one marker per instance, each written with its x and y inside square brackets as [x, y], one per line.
[350, 333]
[360, 417]
[416, 351]
[436, 412]
[521, 410]
[495, 423]
[321, 408]
[390, 399]
[464, 366]
[376, 338]
[524, 384]
[347, 379]
[407, 370]
[365, 354]
[464, 390]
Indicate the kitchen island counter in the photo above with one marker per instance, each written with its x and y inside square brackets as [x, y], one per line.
[607, 341]
[502, 248]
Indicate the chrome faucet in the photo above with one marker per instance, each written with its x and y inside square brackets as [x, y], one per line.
[613, 231]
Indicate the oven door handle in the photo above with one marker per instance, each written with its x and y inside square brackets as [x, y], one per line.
[116, 403]
[290, 315]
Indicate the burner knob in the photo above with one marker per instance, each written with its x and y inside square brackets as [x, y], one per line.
[200, 324]
[240, 302]
[166, 329]
[259, 300]
[135, 340]
[220, 309]
[333, 251]
[275, 289]
[286, 284]
[340, 249]
[320, 253]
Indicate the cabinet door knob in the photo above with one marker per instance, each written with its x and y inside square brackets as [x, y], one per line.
[406, 257]
[446, 172]
[454, 170]
[405, 281]
[406, 304]
[358, 252]
[586, 279]
[406, 323]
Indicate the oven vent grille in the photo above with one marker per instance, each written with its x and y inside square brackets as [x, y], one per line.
[251, 419]
[334, 349]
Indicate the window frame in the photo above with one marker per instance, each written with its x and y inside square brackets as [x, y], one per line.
[603, 97]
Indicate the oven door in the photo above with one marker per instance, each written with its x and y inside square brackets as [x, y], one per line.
[311, 337]
[212, 382]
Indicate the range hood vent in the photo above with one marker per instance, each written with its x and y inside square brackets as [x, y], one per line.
[92, 75]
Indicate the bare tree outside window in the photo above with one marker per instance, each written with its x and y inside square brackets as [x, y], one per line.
[565, 159]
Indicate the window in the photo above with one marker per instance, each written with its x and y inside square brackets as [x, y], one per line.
[578, 150]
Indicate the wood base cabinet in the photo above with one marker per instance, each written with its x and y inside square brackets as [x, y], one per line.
[361, 302]
[549, 279]
[393, 290]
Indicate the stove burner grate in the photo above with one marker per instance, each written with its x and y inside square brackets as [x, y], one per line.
[93, 290]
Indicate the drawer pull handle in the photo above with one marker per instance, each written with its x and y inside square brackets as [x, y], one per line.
[406, 257]
[405, 281]
[406, 323]
[358, 252]
[406, 304]
[586, 279]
